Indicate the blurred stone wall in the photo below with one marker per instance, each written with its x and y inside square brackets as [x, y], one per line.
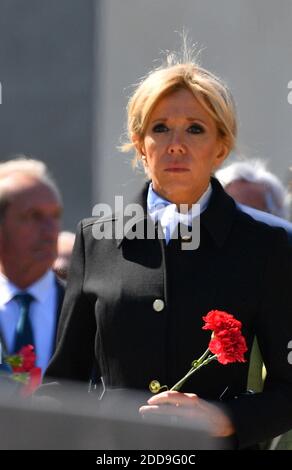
[46, 72]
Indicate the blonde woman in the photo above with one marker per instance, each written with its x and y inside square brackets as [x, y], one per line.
[134, 304]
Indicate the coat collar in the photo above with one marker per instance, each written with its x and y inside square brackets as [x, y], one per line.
[220, 214]
[218, 218]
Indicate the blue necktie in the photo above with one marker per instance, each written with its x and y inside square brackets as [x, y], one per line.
[23, 332]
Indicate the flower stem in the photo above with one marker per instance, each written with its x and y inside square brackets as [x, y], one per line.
[201, 359]
[206, 361]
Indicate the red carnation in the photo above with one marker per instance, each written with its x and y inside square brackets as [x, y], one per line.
[27, 359]
[24, 370]
[226, 345]
[227, 341]
[229, 346]
[217, 320]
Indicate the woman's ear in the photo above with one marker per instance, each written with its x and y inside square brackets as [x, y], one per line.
[138, 143]
[222, 154]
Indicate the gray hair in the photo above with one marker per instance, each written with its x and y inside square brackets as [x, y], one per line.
[254, 171]
[26, 166]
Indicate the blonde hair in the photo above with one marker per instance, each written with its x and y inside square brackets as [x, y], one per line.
[208, 89]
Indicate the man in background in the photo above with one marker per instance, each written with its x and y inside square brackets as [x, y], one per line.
[30, 293]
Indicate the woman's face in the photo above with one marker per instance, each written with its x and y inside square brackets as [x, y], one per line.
[181, 148]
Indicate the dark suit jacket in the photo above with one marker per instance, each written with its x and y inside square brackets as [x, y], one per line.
[243, 267]
[61, 285]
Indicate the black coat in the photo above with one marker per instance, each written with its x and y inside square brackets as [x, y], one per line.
[269, 219]
[242, 266]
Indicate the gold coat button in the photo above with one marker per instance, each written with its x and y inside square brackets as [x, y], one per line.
[158, 305]
[154, 386]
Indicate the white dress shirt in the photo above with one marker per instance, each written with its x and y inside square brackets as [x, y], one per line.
[166, 212]
[42, 315]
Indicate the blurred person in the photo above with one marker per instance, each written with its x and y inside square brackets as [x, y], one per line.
[30, 293]
[65, 247]
[251, 184]
[139, 315]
